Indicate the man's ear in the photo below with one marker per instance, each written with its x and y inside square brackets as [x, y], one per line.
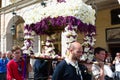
[70, 49]
[95, 54]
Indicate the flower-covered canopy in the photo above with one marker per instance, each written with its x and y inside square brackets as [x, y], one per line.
[56, 15]
[76, 8]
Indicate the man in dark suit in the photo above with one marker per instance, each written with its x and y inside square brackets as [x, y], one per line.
[70, 69]
[42, 69]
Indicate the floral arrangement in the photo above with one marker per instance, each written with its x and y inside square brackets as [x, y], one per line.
[55, 8]
[89, 42]
[73, 15]
[28, 40]
[48, 49]
[48, 25]
[49, 46]
[70, 33]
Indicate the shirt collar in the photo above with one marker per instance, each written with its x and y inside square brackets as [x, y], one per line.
[16, 60]
[74, 64]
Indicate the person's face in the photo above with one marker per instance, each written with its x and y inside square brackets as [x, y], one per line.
[8, 55]
[0, 54]
[118, 55]
[3, 55]
[17, 54]
[101, 56]
[77, 52]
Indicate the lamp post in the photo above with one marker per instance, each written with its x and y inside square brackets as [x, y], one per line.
[43, 3]
[13, 29]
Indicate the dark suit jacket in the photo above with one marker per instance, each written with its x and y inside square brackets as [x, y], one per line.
[66, 71]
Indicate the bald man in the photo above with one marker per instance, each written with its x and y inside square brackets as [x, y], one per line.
[70, 69]
[9, 55]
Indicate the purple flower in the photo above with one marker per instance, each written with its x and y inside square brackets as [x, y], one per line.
[49, 25]
[61, 1]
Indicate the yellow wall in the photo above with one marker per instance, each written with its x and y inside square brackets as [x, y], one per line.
[103, 21]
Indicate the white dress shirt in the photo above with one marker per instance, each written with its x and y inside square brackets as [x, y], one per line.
[117, 65]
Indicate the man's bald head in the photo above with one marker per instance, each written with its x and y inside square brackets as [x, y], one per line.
[73, 45]
[75, 51]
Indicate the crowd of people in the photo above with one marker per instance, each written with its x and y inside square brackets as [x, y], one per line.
[4, 59]
[103, 67]
[12, 65]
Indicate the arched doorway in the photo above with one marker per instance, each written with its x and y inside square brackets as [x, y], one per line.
[11, 40]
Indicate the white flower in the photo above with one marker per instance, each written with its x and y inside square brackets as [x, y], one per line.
[47, 43]
[90, 57]
[30, 49]
[74, 33]
[68, 33]
[28, 37]
[84, 57]
[48, 38]
[86, 49]
[33, 33]
[71, 35]
[26, 31]
[75, 8]
[26, 51]
[23, 48]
